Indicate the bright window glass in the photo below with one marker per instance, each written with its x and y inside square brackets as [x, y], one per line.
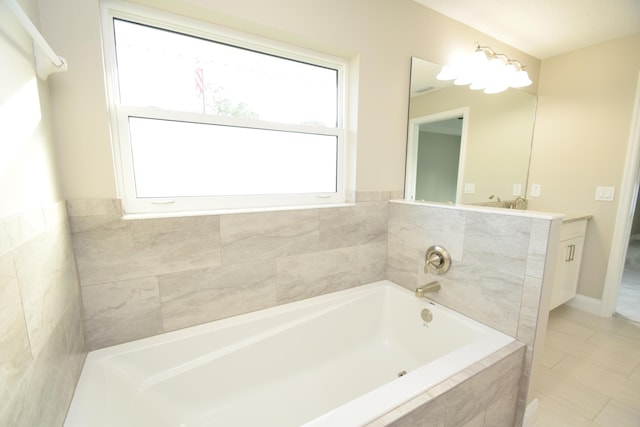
[207, 121]
[180, 159]
[179, 72]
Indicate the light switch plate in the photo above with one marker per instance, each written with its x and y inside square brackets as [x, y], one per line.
[535, 190]
[469, 188]
[606, 194]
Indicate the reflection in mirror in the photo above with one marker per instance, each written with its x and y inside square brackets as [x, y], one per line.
[487, 151]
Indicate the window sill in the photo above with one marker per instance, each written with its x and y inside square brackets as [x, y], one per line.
[155, 215]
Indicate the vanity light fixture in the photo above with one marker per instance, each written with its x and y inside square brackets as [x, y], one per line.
[488, 71]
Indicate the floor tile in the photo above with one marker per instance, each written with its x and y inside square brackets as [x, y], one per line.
[551, 356]
[612, 353]
[571, 329]
[554, 414]
[602, 380]
[614, 325]
[590, 371]
[616, 414]
[576, 396]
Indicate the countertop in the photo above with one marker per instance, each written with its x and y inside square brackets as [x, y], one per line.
[576, 217]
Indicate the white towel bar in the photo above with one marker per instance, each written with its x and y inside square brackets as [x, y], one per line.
[47, 61]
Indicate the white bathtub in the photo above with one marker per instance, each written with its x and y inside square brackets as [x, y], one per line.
[333, 360]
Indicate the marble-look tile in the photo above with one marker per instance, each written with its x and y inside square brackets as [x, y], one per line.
[529, 306]
[502, 413]
[431, 414]
[127, 249]
[525, 381]
[45, 391]
[121, 311]
[403, 263]
[197, 296]
[372, 261]
[483, 294]
[498, 243]
[94, 207]
[378, 196]
[477, 421]
[45, 290]
[420, 227]
[412, 230]
[22, 227]
[339, 227]
[41, 323]
[349, 226]
[373, 219]
[252, 236]
[538, 239]
[486, 284]
[72, 324]
[309, 275]
[484, 389]
[15, 354]
[418, 411]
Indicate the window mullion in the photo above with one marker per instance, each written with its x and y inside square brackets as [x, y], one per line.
[183, 116]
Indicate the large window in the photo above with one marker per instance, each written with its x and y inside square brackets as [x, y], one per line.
[206, 120]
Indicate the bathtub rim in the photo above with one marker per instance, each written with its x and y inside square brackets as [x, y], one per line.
[343, 412]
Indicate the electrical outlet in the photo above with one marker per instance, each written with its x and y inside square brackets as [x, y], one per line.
[535, 190]
[469, 188]
[517, 190]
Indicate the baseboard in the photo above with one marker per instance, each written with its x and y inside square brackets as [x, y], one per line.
[588, 304]
[531, 414]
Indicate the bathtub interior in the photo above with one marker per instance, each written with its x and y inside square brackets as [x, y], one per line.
[289, 365]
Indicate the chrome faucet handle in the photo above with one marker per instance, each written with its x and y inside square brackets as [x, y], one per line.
[437, 260]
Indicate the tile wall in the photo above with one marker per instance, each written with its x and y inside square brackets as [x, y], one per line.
[144, 277]
[498, 264]
[41, 337]
[484, 394]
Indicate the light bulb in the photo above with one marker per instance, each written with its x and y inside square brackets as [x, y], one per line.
[447, 73]
[521, 79]
[496, 88]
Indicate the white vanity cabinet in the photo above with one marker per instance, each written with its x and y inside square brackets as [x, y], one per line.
[565, 281]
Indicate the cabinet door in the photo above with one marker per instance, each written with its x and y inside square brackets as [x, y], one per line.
[565, 281]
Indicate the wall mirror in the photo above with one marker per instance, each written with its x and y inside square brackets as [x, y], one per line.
[464, 146]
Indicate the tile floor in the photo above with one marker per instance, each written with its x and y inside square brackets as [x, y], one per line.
[591, 371]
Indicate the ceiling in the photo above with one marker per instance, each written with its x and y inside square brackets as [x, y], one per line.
[545, 28]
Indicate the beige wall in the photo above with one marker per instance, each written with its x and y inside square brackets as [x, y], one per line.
[581, 135]
[379, 37]
[27, 176]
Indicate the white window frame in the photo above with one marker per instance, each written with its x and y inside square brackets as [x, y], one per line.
[119, 114]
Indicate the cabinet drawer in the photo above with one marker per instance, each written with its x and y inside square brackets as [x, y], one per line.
[573, 229]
